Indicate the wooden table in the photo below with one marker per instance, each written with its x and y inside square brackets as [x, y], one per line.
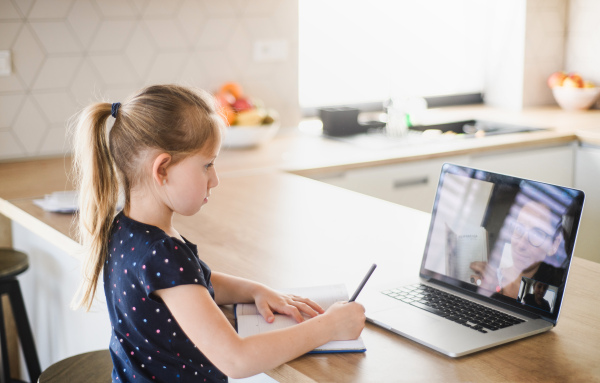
[286, 231]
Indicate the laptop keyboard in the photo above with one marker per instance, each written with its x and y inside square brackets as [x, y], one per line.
[454, 308]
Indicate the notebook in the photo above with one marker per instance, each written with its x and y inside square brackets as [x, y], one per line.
[494, 267]
[250, 322]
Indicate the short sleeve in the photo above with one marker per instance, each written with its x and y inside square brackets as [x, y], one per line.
[171, 263]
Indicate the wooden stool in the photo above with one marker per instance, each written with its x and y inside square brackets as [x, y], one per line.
[91, 367]
[13, 263]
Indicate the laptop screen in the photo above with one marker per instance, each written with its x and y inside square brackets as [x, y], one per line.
[505, 238]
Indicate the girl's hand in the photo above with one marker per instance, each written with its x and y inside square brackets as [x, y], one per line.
[268, 301]
[347, 318]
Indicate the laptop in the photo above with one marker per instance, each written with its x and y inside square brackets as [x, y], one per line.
[494, 268]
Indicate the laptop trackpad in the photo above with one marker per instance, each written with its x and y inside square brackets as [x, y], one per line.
[407, 320]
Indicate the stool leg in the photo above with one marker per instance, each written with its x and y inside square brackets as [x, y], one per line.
[25, 334]
[4, 348]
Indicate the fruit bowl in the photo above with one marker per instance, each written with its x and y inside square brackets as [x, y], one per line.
[237, 136]
[575, 98]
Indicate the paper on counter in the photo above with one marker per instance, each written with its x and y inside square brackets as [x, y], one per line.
[59, 202]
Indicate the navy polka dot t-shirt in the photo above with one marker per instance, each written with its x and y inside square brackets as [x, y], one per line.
[147, 343]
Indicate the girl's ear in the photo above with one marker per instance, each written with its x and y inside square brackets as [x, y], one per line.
[159, 168]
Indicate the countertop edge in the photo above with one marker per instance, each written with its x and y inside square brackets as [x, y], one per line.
[40, 228]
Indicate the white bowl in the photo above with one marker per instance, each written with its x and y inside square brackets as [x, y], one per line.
[575, 98]
[237, 136]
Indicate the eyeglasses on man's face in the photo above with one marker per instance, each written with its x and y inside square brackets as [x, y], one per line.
[535, 236]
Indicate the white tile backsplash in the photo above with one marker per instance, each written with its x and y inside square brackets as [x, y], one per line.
[28, 55]
[161, 8]
[114, 69]
[111, 36]
[55, 137]
[119, 8]
[83, 20]
[56, 72]
[10, 147]
[167, 34]
[9, 106]
[8, 11]
[8, 32]
[140, 50]
[86, 85]
[191, 18]
[24, 6]
[26, 126]
[166, 67]
[57, 106]
[55, 37]
[68, 53]
[50, 9]
[11, 84]
[215, 33]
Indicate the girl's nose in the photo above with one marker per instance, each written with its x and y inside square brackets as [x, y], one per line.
[214, 180]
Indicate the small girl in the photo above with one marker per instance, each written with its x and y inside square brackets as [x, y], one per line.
[162, 298]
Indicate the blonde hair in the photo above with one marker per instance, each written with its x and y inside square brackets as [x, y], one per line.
[173, 119]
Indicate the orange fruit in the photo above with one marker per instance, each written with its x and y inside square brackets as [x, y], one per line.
[232, 87]
[227, 114]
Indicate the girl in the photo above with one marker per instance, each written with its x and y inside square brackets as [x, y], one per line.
[162, 298]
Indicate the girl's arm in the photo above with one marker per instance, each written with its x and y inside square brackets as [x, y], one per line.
[206, 326]
[230, 289]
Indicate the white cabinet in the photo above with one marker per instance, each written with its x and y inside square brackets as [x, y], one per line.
[411, 184]
[548, 164]
[48, 286]
[587, 178]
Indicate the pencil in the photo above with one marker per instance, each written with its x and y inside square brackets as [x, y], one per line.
[362, 284]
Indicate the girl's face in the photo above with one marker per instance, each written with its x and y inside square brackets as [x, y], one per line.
[189, 183]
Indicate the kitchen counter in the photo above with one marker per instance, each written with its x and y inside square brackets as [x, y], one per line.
[310, 153]
[286, 231]
[279, 220]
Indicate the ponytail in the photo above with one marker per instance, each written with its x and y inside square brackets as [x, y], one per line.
[97, 182]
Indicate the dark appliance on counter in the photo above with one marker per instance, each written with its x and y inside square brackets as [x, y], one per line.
[343, 121]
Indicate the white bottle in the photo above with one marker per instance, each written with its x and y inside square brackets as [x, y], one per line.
[397, 124]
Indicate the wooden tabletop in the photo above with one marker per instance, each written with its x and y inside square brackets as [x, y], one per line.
[288, 231]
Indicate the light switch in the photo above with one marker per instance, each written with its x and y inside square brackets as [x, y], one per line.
[5, 63]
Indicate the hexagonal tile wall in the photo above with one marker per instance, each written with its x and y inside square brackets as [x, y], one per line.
[68, 53]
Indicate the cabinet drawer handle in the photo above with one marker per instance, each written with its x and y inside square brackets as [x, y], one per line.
[410, 182]
[330, 176]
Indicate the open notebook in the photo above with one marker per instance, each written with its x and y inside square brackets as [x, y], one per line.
[250, 322]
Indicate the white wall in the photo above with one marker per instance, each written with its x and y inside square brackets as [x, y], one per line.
[67, 52]
[583, 39]
[534, 38]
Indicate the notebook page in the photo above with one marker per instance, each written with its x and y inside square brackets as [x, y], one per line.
[250, 322]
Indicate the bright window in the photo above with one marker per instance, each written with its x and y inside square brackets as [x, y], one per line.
[363, 51]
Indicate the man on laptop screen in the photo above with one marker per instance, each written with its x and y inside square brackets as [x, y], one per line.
[502, 237]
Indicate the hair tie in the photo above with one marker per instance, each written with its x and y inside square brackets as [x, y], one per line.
[114, 109]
